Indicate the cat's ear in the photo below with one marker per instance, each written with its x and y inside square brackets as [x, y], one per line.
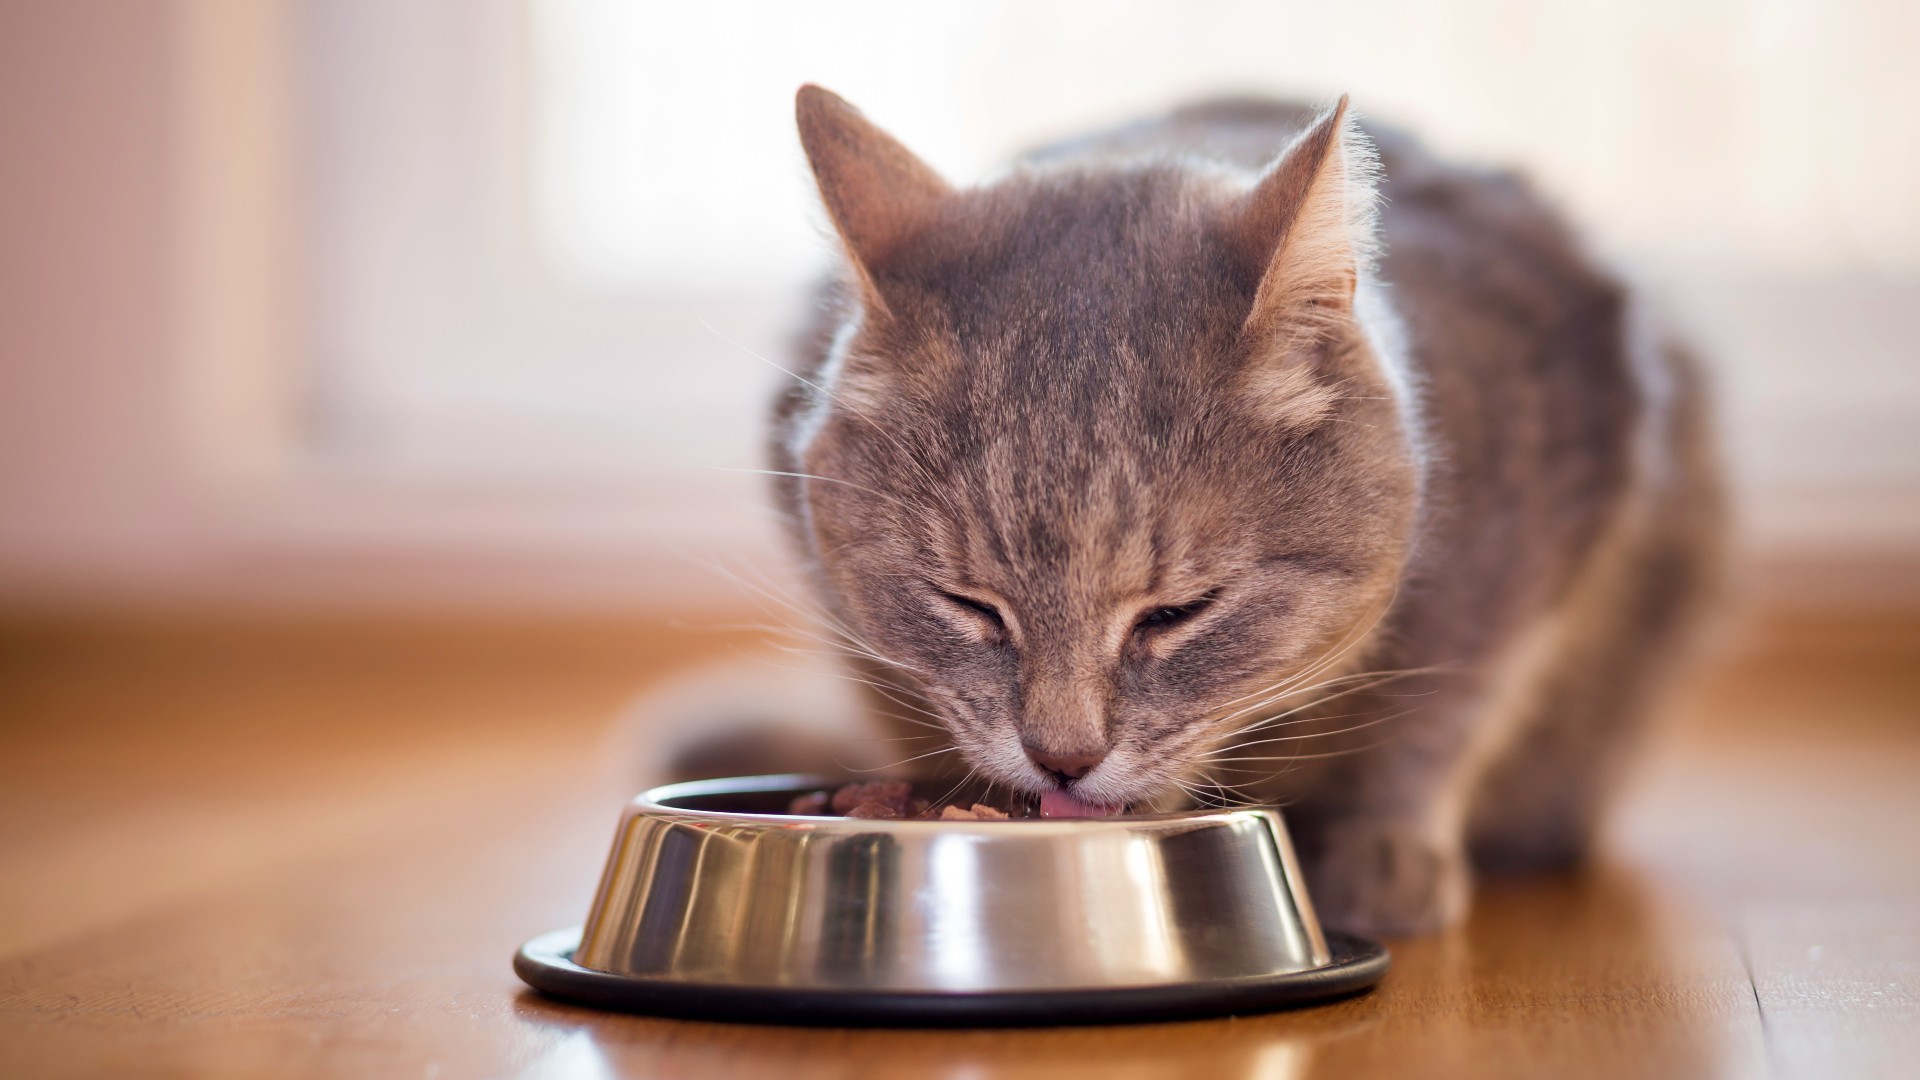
[875, 190]
[1307, 226]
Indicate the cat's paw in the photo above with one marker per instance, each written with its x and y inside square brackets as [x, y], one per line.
[1386, 878]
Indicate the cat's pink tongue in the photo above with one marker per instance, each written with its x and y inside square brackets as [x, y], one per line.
[1059, 804]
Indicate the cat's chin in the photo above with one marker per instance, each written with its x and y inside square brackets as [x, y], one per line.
[1062, 804]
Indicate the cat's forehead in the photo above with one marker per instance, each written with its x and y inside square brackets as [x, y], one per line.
[1075, 325]
[1074, 484]
[1117, 249]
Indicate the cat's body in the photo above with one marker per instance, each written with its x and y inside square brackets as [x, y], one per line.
[1131, 450]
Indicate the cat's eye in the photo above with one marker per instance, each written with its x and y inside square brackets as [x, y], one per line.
[1166, 618]
[984, 610]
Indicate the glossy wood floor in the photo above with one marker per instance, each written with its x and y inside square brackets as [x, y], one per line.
[257, 850]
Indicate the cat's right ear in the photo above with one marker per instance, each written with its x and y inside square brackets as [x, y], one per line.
[875, 190]
[1306, 229]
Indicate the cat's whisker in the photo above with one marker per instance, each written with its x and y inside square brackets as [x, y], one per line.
[864, 740]
[1294, 758]
[902, 761]
[830, 649]
[888, 694]
[1352, 638]
[1193, 794]
[1327, 661]
[1232, 752]
[1363, 682]
[1393, 673]
[772, 630]
[831, 639]
[1263, 728]
[1260, 729]
[1283, 718]
[1382, 676]
[1228, 763]
[813, 613]
[1361, 628]
[939, 721]
[971, 771]
[807, 611]
[933, 485]
[1212, 784]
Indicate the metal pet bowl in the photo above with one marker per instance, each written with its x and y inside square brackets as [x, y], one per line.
[716, 904]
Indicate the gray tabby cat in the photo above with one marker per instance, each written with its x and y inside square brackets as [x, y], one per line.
[1173, 458]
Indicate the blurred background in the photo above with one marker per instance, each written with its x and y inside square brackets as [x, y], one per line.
[474, 304]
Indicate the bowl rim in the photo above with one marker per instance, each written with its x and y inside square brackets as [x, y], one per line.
[1355, 965]
[653, 801]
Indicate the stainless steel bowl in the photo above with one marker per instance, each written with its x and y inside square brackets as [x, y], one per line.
[715, 903]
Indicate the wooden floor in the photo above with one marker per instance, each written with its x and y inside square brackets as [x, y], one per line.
[262, 850]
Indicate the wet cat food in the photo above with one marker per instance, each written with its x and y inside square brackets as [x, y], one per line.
[884, 800]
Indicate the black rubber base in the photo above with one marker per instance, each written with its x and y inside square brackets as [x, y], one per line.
[546, 964]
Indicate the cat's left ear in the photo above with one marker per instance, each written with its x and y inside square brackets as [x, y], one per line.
[877, 192]
[1307, 227]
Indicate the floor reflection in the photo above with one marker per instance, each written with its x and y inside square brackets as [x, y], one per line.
[1598, 973]
[1276, 1047]
[1575, 976]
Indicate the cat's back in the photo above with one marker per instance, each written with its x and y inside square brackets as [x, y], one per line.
[1443, 223]
[1249, 133]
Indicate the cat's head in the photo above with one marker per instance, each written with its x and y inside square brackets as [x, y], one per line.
[1101, 453]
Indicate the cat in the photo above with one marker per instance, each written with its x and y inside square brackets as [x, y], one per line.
[1176, 464]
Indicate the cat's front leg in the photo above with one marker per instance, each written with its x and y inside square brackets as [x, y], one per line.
[1382, 829]
[1388, 875]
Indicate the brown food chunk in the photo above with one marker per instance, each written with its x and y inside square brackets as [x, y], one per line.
[896, 795]
[884, 800]
[979, 812]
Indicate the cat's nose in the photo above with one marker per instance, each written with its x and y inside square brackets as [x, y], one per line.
[1071, 766]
